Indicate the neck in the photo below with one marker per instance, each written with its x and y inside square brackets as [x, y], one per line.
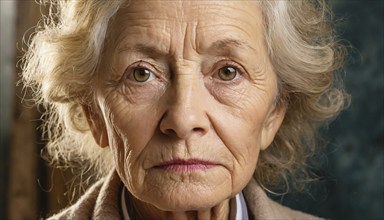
[147, 211]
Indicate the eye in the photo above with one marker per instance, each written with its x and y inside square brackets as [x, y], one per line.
[142, 74]
[228, 73]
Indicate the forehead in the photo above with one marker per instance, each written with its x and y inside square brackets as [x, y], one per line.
[159, 21]
[190, 10]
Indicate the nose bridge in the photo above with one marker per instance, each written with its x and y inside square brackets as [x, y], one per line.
[186, 89]
[186, 112]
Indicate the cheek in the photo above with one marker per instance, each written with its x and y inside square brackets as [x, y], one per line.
[240, 119]
[242, 144]
[246, 155]
[132, 122]
[239, 125]
[130, 128]
[240, 136]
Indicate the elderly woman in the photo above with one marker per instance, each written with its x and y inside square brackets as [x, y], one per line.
[185, 109]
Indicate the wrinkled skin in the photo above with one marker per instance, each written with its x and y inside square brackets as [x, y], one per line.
[186, 80]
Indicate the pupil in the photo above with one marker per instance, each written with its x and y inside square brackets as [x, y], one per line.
[229, 70]
[143, 72]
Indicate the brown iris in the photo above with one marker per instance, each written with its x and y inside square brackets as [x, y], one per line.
[141, 74]
[227, 73]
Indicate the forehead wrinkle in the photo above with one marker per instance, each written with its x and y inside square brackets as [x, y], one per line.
[189, 47]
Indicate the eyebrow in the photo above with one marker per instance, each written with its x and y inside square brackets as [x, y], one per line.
[224, 46]
[227, 45]
[145, 49]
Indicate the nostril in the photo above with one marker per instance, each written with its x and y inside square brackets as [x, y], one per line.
[198, 130]
[170, 132]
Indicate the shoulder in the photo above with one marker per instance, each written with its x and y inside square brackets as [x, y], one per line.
[84, 207]
[260, 206]
[104, 193]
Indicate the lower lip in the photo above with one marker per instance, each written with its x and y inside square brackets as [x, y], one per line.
[186, 167]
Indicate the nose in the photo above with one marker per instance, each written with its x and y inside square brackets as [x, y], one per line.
[186, 110]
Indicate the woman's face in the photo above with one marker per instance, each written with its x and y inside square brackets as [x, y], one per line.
[187, 94]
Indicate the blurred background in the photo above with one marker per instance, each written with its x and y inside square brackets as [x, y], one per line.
[351, 186]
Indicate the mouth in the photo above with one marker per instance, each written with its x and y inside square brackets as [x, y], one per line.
[186, 165]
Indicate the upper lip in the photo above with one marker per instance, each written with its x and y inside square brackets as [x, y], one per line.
[192, 161]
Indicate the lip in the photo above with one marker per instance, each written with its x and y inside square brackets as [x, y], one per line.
[183, 165]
